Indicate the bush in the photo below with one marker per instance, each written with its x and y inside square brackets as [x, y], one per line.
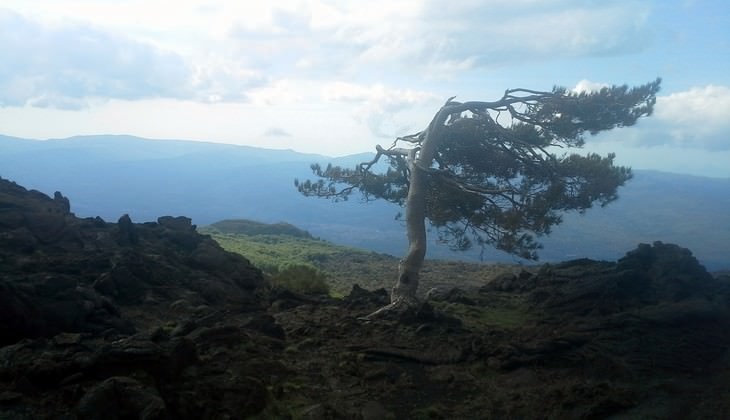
[252, 228]
[302, 278]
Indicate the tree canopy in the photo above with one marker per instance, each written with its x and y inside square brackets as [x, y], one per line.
[497, 173]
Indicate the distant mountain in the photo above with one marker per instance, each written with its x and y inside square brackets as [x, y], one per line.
[112, 175]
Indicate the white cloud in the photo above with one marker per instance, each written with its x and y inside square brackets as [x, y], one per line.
[284, 92]
[379, 107]
[427, 37]
[708, 104]
[276, 132]
[220, 51]
[219, 79]
[385, 111]
[698, 118]
[62, 66]
[588, 86]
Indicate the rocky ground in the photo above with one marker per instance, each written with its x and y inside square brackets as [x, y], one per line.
[154, 321]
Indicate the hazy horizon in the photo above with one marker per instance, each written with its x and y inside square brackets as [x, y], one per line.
[324, 155]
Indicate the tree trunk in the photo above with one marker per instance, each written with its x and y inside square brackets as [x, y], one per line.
[403, 295]
[409, 268]
[404, 291]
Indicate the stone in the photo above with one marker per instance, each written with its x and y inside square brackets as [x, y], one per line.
[176, 223]
[120, 398]
[453, 295]
[373, 410]
[127, 233]
[362, 298]
[267, 325]
[63, 202]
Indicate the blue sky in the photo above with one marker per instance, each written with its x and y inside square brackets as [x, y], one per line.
[337, 77]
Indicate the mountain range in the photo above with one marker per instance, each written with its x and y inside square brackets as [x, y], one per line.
[112, 175]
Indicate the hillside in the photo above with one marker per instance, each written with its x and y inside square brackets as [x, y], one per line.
[271, 248]
[154, 320]
[108, 176]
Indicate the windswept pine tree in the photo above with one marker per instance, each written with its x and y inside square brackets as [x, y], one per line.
[493, 173]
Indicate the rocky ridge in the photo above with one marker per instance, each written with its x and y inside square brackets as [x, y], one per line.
[155, 321]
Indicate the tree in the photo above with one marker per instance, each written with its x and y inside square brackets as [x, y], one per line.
[487, 173]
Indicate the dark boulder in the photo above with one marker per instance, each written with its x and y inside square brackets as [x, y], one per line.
[672, 272]
[363, 298]
[19, 316]
[176, 223]
[126, 232]
[648, 275]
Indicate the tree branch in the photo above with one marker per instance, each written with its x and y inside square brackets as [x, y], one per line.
[455, 181]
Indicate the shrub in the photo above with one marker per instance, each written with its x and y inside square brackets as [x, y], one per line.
[302, 278]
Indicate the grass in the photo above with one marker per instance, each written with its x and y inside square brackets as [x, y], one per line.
[294, 261]
[271, 251]
[496, 313]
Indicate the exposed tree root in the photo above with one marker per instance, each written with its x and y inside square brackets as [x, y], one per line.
[401, 307]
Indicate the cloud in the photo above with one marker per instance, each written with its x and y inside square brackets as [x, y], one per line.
[288, 44]
[385, 111]
[221, 79]
[276, 132]
[697, 118]
[693, 119]
[429, 37]
[328, 39]
[225, 51]
[70, 65]
[377, 106]
[588, 86]
[61, 66]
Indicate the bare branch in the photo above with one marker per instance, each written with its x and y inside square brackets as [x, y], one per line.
[416, 138]
[455, 181]
[393, 151]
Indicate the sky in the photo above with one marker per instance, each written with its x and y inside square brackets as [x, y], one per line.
[337, 77]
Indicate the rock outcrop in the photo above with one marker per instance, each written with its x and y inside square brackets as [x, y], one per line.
[65, 274]
[111, 314]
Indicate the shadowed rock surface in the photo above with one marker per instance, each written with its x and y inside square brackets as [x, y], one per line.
[102, 319]
[155, 321]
